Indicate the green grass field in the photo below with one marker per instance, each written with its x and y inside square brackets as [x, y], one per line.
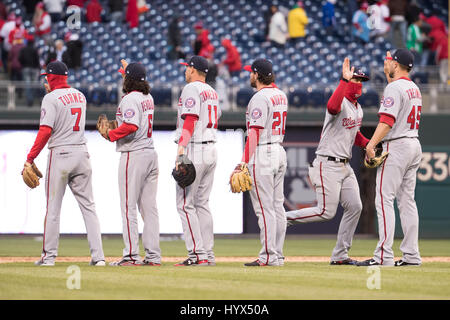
[227, 280]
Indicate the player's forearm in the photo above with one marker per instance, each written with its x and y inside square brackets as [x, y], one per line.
[124, 130]
[380, 132]
[188, 130]
[360, 140]
[42, 137]
[335, 101]
[250, 145]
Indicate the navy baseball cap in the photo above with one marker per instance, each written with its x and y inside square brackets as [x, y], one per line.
[404, 57]
[262, 66]
[359, 74]
[136, 71]
[199, 63]
[57, 68]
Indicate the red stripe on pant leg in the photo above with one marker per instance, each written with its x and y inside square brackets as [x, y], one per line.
[382, 207]
[262, 211]
[126, 206]
[46, 212]
[323, 195]
[189, 223]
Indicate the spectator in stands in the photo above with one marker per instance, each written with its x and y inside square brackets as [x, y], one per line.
[7, 27]
[435, 23]
[412, 12]
[174, 41]
[233, 59]
[360, 27]
[202, 44]
[55, 9]
[42, 22]
[399, 26]
[414, 39]
[94, 11]
[29, 59]
[18, 34]
[297, 22]
[440, 46]
[132, 15]
[278, 32]
[328, 18]
[59, 49]
[425, 29]
[3, 13]
[14, 66]
[267, 18]
[379, 13]
[30, 7]
[72, 54]
[116, 10]
[78, 3]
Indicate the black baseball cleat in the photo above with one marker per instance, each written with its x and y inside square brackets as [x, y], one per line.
[401, 263]
[367, 263]
[347, 261]
[188, 262]
[255, 263]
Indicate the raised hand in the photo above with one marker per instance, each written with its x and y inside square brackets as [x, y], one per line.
[347, 72]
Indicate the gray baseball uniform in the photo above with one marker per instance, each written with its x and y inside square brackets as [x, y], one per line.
[333, 178]
[201, 100]
[396, 178]
[64, 110]
[138, 178]
[267, 110]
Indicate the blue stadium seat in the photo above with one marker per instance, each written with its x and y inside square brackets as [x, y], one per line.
[297, 98]
[369, 98]
[162, 96]
[316, 98]
[419, 77]
[243, 97]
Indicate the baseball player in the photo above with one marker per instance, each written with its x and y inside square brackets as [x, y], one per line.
[138, 167]
[198, 115]
[330, 173]
[266, 160]
[398, 131]
[63, 118]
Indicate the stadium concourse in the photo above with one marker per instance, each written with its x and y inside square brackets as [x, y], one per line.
[310, 66]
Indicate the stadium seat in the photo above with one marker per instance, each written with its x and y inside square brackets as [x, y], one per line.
[419, 77]
[162, 96]
[297, 98]
[316, 98]
[369, 99]
[243, 97]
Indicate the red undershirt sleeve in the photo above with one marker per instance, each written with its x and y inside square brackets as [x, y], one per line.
[360, 140]
[122, 131]
[250, 145]
[42, 137]
[188, 129]
[335, 101]
[388, 119]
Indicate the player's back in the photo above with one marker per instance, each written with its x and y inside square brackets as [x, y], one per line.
[200, 99]
[268, 110]
[402, 100]
[137, 109]
[64, 110]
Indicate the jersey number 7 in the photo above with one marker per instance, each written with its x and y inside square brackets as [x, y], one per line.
[76, 111]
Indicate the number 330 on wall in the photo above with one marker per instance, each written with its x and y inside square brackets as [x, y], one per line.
[434, 166]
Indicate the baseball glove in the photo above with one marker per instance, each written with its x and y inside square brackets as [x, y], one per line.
[104, 125]
[240, 180]
[185, 175]
[31, 175]
[376, 161]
